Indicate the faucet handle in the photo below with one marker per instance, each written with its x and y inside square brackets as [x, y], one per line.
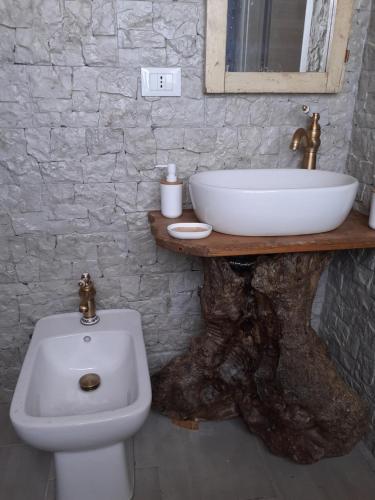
[85, 279]
[307, 111]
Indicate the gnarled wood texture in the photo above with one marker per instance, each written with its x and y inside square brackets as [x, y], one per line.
[259, 358]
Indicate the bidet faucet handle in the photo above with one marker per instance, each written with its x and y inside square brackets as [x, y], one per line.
[85, 279]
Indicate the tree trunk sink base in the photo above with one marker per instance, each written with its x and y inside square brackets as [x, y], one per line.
[260, 359]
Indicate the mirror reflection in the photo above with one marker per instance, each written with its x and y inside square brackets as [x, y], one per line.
[279, 35]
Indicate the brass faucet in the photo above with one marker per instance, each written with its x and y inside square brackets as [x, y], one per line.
[311, 138]
[87, 300]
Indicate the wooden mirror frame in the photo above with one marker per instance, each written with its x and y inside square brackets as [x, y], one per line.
[220, 81]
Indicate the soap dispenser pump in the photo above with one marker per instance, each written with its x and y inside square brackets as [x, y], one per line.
[171, 193]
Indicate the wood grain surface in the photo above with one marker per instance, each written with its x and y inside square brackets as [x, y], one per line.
[353, 233]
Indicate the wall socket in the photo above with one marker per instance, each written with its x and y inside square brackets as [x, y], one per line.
[164, 81]
[161, 82]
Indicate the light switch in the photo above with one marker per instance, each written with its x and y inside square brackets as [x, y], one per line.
[161, 82]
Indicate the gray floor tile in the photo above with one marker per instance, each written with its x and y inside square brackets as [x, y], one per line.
[215, 462]
[220, 461]
[147, 485]
[223, 461]
[343, 478]
[367, 455]
[155, 431]
[160, 444]
[7, 433]
[347, 477]
[292, 481]
[24, 473]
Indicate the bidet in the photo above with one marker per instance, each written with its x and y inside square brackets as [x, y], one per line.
[89, 431]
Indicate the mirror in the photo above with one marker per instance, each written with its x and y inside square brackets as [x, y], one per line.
[278, 35]
[276, 45]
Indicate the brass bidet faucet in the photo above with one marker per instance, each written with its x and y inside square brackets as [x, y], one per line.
[87, 303]
[311, 137]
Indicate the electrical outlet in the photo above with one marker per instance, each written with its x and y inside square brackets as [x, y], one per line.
[161, 82]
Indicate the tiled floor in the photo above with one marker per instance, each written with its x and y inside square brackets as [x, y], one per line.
[221, 461]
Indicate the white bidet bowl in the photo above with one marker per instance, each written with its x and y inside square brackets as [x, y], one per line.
[89, 432]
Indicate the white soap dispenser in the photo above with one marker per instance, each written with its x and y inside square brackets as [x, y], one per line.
[171, 193]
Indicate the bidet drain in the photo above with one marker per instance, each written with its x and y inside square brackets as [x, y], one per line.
[89, 382]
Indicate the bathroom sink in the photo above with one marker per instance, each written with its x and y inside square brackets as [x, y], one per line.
[272, 202]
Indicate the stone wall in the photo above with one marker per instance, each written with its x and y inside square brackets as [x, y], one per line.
[78, 145]
[348, 319]
[317, 58]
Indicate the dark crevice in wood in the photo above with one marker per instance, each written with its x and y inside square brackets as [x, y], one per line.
[260, 359]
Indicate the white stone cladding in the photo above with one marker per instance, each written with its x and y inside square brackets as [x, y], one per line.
[348, 319]
[78, 145]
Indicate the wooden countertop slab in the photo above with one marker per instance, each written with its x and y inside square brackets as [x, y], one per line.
[353, 233]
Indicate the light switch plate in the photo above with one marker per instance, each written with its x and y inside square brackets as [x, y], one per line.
[161, 82]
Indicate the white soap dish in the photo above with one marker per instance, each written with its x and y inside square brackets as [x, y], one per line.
[189, 230]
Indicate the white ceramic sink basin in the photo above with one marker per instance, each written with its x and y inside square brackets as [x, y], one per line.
[272, 202]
